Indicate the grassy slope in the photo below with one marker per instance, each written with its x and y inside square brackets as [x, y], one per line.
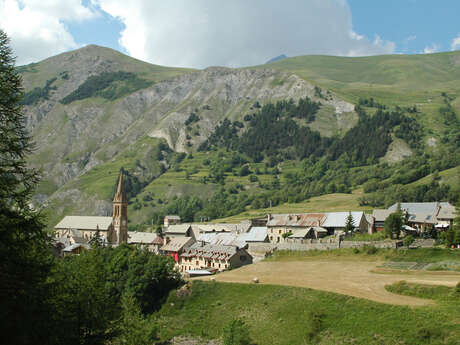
[402, 80]
[282, 315]
[37, 73]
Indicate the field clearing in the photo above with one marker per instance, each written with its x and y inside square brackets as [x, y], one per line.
[349, 277]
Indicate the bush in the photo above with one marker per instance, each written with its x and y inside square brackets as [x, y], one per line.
[315, 325]
[236, 333]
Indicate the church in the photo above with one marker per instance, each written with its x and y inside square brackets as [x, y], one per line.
[114, 230]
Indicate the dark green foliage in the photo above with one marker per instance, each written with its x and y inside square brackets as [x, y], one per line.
[408, 240]
[191, 119]
[25, 256]
[91, 292]
[39, 93]
[133, 328]
[236, 333]
[371, 103]
[349, 223]
[315, 325]
[108, 85]
[393, 225]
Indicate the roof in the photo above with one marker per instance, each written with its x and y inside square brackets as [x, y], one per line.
[301, 220]
[85, 223]
[422, 207]
[120, 195]
[422, 218]
[339, 219]
[218, 227]
[141, 237]
[158, 240]
[75, 246]
[177, 229]
[177, 243]
[381, 215]
[256, 234]
[447, 211]
[212, 251]
[301, 233]
[222, 238]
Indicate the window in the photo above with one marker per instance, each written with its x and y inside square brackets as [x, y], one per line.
[279, 231]
[197, 262]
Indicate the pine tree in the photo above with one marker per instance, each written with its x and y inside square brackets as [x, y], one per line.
[349, 223]
[24, 256]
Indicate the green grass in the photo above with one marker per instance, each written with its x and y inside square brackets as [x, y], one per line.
[437, 292]
[419, 255]
[323, 203]
[282, 315]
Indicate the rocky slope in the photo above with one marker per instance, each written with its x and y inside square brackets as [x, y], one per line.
[75, 138]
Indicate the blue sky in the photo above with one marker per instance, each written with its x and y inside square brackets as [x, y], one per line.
[412, 24]
[201, 33]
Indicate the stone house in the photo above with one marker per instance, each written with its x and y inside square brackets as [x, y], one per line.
[336, 221]
[147, 240]
[282, 224]
[175, 246]
[171, 220]
[220, 257]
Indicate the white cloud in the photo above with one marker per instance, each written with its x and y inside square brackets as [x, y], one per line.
[36, 27]
[434, 48]
[202, 33]
[455, 45]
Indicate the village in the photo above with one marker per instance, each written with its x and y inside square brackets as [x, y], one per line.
[207, 248]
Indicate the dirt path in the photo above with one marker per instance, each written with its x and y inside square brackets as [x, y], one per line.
[352, 278]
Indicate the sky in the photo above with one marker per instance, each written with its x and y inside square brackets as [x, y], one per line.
[233, 33]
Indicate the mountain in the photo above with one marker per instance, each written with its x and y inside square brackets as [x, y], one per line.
[94, 111]
[277, 58]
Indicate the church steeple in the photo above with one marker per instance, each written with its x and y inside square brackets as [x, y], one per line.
[120, 195]
[120, 214]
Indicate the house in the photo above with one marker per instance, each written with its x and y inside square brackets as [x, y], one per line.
[278, 225]
[175, 246]
[441, 212]
[336, 221]
[222, 238]
[171, 220]
[257, 234]
[217, 256]
[422, 221]
[313, 232]
[145, 240]
[379, 219]
[178, 230]
[114, 229]
[75, 249]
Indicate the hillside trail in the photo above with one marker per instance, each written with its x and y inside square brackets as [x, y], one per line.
[354, 278]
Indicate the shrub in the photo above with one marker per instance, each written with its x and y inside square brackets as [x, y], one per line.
[315, 325]
[236, 333]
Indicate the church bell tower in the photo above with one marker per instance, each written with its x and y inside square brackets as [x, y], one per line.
[120, 214]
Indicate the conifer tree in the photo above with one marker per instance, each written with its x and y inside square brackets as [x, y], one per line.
[24, 254]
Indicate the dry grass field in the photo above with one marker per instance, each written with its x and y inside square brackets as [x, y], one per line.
[361, 279]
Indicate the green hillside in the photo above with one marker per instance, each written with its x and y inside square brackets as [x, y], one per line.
[288, 315]
[237, 144]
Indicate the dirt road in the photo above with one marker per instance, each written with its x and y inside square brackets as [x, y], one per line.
[352, 278]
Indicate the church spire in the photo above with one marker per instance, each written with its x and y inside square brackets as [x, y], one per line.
[120, 195]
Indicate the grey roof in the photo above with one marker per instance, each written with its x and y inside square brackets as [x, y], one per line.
[293, 220]
[421, 207]
[75, 246]
[422, 218]
[381, 215]
[141, 237]
[447, 211]
[301, 233]
[177, 229]
[85, 223]
[256, 234]
[176, 244]
[339, 219]
[218, 227]
[222, 238]
[212, 251]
